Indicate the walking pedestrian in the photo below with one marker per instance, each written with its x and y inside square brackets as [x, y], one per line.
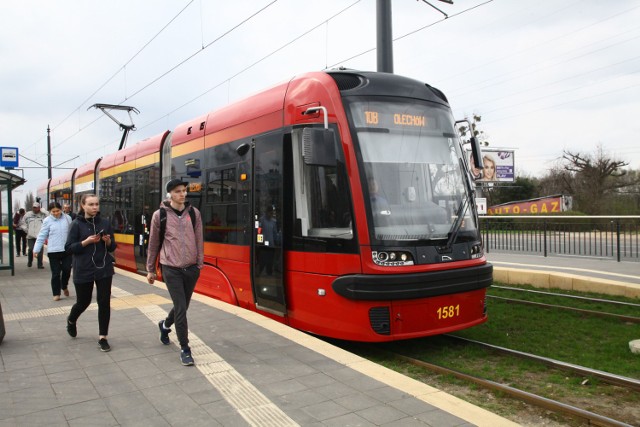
[55, 230]
[34, 220]
[178, 246]
[91, 241]
[20, 228]
[66, 208]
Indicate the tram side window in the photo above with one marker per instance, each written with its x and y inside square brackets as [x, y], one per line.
[323, 209]
[221, 215]
[107, 197]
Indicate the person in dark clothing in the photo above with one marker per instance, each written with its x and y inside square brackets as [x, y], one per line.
[66, 208]
[20, 228]
[181, 257]
[91, 241]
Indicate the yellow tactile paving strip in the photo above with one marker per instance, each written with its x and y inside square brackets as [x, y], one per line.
[137, 301]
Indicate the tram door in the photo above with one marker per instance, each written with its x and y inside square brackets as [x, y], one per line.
[267, 270]
[145, 202]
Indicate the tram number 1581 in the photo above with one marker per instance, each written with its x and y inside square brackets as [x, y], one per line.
[448, 312]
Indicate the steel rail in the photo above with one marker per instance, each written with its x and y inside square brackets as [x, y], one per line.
[621, 317]
[590, 417]
[510, 288]
[609, 378]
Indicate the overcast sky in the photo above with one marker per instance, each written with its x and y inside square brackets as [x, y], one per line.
[545, 75]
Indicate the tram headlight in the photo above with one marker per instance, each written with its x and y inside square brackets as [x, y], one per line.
[392, 258]
[476, 250]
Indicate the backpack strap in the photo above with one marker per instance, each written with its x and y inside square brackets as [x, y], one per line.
[163, 225]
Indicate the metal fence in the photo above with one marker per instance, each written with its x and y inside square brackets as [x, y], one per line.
[615, 237]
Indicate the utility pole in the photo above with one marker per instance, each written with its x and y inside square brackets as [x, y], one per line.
[49, 151]
[384, 36]
[384, 33]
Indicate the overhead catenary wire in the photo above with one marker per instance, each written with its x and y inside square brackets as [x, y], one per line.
[124, 65]
[227, 80]
[162, 75]
[410, 33]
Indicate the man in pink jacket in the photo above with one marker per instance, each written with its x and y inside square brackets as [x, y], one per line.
[181, 257]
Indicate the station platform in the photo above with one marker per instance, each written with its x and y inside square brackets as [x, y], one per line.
[250, 370]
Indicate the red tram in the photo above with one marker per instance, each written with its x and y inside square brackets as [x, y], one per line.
[337, 203]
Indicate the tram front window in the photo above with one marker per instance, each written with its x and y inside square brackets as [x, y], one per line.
[413, 176]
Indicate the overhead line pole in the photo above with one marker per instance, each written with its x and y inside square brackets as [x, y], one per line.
[384, 36]
[49, 151]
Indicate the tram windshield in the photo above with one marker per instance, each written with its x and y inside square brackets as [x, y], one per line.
[414, 186]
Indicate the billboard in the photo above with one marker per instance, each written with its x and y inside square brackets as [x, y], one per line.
[541, 205]
[498, 166]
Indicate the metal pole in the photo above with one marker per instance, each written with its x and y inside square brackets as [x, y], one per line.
[49, 151]
[618, 237]
[384, 36]
[545, 236]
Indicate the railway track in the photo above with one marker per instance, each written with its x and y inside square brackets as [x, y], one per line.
[588, 417]
[603, 314]
[613, 379]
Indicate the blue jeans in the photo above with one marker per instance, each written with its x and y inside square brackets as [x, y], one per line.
[60, 264]
[180, 283]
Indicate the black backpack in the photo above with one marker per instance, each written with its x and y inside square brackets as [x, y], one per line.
[163, 222]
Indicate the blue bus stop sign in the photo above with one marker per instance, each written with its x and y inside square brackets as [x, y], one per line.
[9, 157]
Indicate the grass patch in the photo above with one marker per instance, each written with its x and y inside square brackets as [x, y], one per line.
[624, 310]
[597, 343]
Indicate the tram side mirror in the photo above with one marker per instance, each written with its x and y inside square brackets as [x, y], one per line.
[318, 147]
[476, 152]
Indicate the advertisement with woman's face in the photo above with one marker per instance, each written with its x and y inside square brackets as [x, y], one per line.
[497, 166]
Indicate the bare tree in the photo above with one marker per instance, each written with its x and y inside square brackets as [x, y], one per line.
[28, 201]
[593, 179]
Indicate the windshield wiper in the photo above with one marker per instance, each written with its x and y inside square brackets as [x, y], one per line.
[457, 224]
[373, 130]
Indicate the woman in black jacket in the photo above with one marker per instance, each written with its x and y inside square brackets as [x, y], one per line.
[91, 241]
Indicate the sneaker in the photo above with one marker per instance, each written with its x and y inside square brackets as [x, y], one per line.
[41, 266]
[66, 292]
[71, 329]
[29, 264]
[56, 297]
[104, 345]
[186, 358]
[164, 333]
[18, 255]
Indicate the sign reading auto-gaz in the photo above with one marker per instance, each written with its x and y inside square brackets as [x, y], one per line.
[543, 206]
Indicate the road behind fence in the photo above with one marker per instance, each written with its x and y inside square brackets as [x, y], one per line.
[615, 237]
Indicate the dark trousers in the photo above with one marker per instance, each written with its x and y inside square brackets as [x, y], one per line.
[84, 292]
[180, 283]
[32, 243]
[21, 241]
[60, 264]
